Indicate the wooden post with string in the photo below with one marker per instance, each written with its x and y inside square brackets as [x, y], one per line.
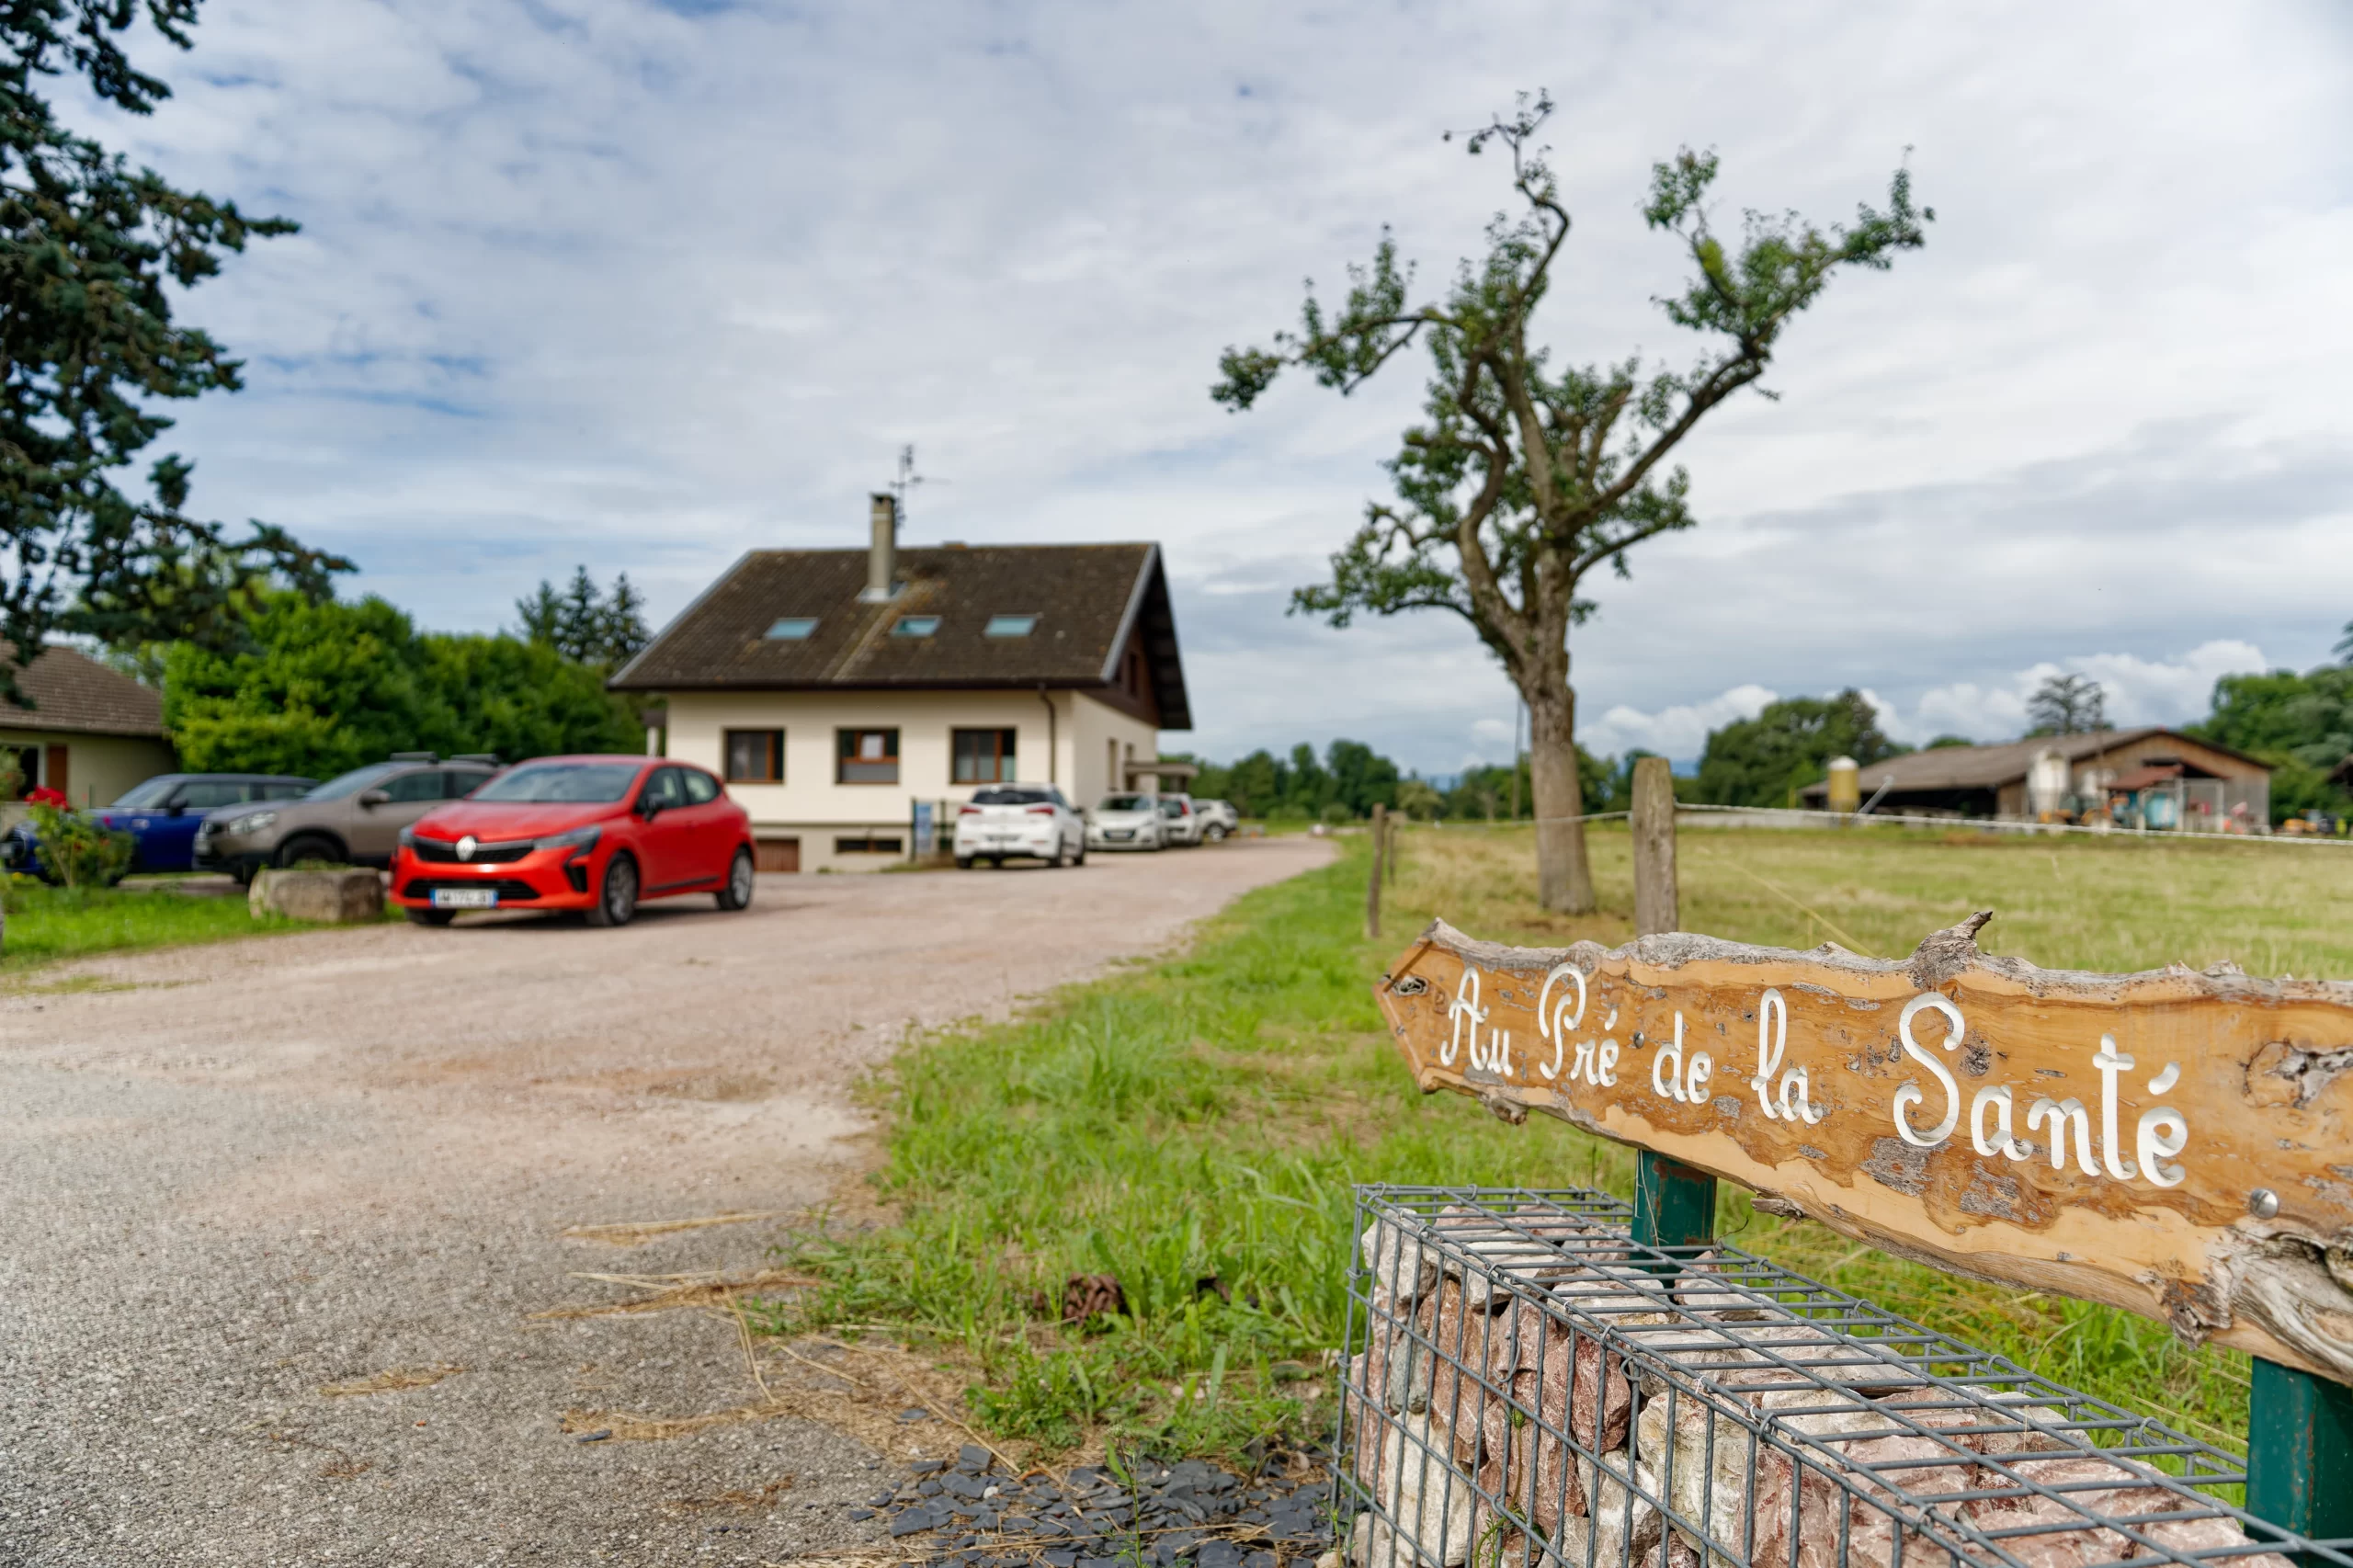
[1372, 888]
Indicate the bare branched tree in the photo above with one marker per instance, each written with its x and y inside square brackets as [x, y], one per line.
[2068, 705]
[1522, 479]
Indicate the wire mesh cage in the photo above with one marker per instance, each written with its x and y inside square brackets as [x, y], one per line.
[1525, 1384]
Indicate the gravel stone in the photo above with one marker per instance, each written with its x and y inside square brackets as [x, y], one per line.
[237, 1173]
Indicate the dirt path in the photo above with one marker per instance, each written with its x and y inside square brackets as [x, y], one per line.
[238, 1175]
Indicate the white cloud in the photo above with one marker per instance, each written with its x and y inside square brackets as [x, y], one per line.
[1679, 731]
[2138, 691]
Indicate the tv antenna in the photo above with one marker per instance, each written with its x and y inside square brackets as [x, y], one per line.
[908, 479]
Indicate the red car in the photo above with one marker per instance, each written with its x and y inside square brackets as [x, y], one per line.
[595, 833]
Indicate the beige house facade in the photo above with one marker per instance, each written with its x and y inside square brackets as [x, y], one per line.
[852, 699]
[87, 731]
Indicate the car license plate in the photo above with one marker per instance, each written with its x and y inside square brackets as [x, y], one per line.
[1122, 834]
[465, 898]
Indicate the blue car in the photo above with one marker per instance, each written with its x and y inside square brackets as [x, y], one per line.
[162, 816]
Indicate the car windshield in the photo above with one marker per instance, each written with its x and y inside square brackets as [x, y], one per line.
[562, 783]
[152, 793]
[1125, 803]
[352, 783]
[1011, 798]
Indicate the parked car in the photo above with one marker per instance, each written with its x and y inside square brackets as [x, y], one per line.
[1124, 822]
[354, 819]
[1002, 822]
[1179, 822]
[1219, 819]
[162, 815]
[600, 834]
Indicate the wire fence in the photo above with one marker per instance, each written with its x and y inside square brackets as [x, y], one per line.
[1528, 1385]
[1800, 816]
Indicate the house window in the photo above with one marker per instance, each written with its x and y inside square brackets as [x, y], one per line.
[28, 765]
[1010, 626]
[870, 845]
[793, 629]
[983, 757]
[755, 756]
[868, 756]
[915, 626]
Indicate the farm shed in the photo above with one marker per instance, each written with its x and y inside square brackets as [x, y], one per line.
[2204, 784]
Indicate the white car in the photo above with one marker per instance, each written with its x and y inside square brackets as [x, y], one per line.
[1005, 820]
[1219, 819]
[1179, 822]
[1124, 822]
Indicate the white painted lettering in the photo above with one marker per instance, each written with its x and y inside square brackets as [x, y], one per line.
[1772, 1040]
[2109, 1064]
[2059, 1113]
[2164, 1132]
[2007, 1144]
[1911, 1094]
[1665, 1082]
[1463, 1012]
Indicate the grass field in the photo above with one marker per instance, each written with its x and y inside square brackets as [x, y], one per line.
[46, 924]
[1201, 1120]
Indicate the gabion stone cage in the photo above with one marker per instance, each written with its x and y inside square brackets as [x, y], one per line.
[1528, 1385]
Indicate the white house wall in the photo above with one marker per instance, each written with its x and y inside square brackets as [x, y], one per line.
[97, 768]
[810, 807]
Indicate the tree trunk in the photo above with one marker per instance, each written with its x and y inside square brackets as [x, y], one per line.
[1563, 879]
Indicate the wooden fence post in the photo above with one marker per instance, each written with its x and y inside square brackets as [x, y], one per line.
[1653, 824]
[1674, 1206]
[2300, 1451]
[1372, 888]
[1389, 862]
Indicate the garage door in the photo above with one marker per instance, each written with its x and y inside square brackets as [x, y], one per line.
[776, 854]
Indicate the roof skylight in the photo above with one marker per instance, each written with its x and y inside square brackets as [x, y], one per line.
[1010, 626]
[793, 629]
[915, 626]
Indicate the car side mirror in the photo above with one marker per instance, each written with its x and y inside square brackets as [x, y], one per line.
[649, 807]
[175, 809]
[372, 798]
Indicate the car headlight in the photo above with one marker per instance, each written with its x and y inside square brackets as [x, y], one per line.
[408, 838]
[251, 821]
[581, 839]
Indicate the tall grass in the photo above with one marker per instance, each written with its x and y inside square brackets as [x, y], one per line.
[1192, 1128]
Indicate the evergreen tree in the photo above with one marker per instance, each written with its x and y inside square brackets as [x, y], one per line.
[603, 631]
[91, 253]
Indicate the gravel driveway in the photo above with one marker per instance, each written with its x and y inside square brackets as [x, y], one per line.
[237, 1175]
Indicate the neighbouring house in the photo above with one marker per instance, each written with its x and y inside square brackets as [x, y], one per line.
[852, 699]
[2149, 777]
[88, 732]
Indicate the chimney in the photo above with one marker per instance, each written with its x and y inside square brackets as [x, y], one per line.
[883, 555]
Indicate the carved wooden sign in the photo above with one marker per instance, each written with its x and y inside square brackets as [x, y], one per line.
[2175, 1142]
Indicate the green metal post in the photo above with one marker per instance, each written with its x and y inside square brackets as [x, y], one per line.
[2300, 1452]
[1674, 1206]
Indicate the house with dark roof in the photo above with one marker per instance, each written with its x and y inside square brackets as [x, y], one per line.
[85, 730]
[2156, 777]
[839, 691]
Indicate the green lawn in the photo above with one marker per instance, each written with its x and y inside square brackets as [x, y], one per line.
[1203, 1118]
[46, 924]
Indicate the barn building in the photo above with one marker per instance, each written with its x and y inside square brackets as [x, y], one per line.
[2148, 778]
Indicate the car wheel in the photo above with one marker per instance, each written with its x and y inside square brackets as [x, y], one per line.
[308, 846]
[737, 893]
[1080, 858]
[616, 894]
[431, 916]
[1216, 832]
[963, 862]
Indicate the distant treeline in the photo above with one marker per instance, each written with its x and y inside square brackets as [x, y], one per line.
[2302, 724]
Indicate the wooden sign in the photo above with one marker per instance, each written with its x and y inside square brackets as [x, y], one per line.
[2175, 1142]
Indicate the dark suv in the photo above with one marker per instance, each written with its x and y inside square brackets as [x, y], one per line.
[352, 820]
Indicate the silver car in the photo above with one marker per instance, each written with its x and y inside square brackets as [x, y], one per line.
[1125, 821]
[352, 820]
[1179, 822]
[1219, 819]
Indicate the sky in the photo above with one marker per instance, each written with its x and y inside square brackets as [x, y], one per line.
[643, 284]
